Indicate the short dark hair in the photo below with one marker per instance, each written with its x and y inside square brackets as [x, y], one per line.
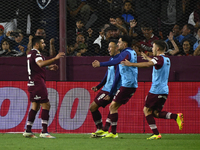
[161, 44]
[127, 39]
[8, 41]
[191, 28]
[114, 41]
[36, 39]
[146, 25]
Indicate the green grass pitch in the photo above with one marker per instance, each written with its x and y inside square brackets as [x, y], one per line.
[9, 141]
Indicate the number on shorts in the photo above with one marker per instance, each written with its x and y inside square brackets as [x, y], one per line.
[101, 96]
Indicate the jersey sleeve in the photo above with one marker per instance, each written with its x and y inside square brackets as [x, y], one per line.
[158, 61]
[38, 57]
[103, 81]
[124, 55]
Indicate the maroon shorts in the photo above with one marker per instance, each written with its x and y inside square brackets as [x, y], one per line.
[100, 101]
[155, 101]
[38, 93]
[123, 95]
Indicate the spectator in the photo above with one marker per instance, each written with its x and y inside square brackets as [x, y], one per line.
[194, 17]
[128, 12]
[6, 49]
[49, 49]
[176, 32]
[197, 51]
[101, 34]
[80, 46]
[187, 48]
[78, 8]
[172, 45]
[82, 50]
[198, 39]
[119, 23]
[19, 43]
[80, 26]
[147, 39]
[187, 33]
[148, 11]
[134, 30]
[1, 33]
[136, 47]
[111, 32]
[171, 13]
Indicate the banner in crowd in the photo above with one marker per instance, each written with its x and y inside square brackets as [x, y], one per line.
[70, 108]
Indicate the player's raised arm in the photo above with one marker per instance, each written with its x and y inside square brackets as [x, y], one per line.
[44, 63]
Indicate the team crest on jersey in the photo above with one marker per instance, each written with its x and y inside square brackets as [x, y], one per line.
[43, 3]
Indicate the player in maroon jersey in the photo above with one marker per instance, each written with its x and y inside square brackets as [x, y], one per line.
[36, 65]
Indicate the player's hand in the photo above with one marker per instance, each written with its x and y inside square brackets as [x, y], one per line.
[144, 56]
[94, 88]
[126, 63]
[59, 55]
[96, 64]
[53, 67]
[107, 98]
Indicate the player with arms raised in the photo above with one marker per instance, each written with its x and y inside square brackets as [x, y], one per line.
[158, 93]
[36, 65]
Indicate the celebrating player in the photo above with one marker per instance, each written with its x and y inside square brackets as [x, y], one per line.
[158, 93]
[128, 80]
[36, 65]
[107, 89]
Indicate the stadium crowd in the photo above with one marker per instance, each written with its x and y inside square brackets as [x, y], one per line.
[92, 24]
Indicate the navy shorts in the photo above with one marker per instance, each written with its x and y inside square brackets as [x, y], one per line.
[155, 101]
[100, 101]
[123, 95]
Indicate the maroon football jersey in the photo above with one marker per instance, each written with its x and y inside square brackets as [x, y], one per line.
[36, 75]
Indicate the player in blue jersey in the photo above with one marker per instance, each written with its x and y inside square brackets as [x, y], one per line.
[158, 93]
[128, 80]
[107, 84]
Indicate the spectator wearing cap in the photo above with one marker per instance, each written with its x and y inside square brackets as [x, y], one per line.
[1, 33]
[146, 41]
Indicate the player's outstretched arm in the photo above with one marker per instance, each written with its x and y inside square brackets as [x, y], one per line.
[44, 63]
[139, 65]
[145, 57]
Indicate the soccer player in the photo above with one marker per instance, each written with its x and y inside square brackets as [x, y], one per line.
[128, 80]
[158, 93]
[36, 65]
[108, 89]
